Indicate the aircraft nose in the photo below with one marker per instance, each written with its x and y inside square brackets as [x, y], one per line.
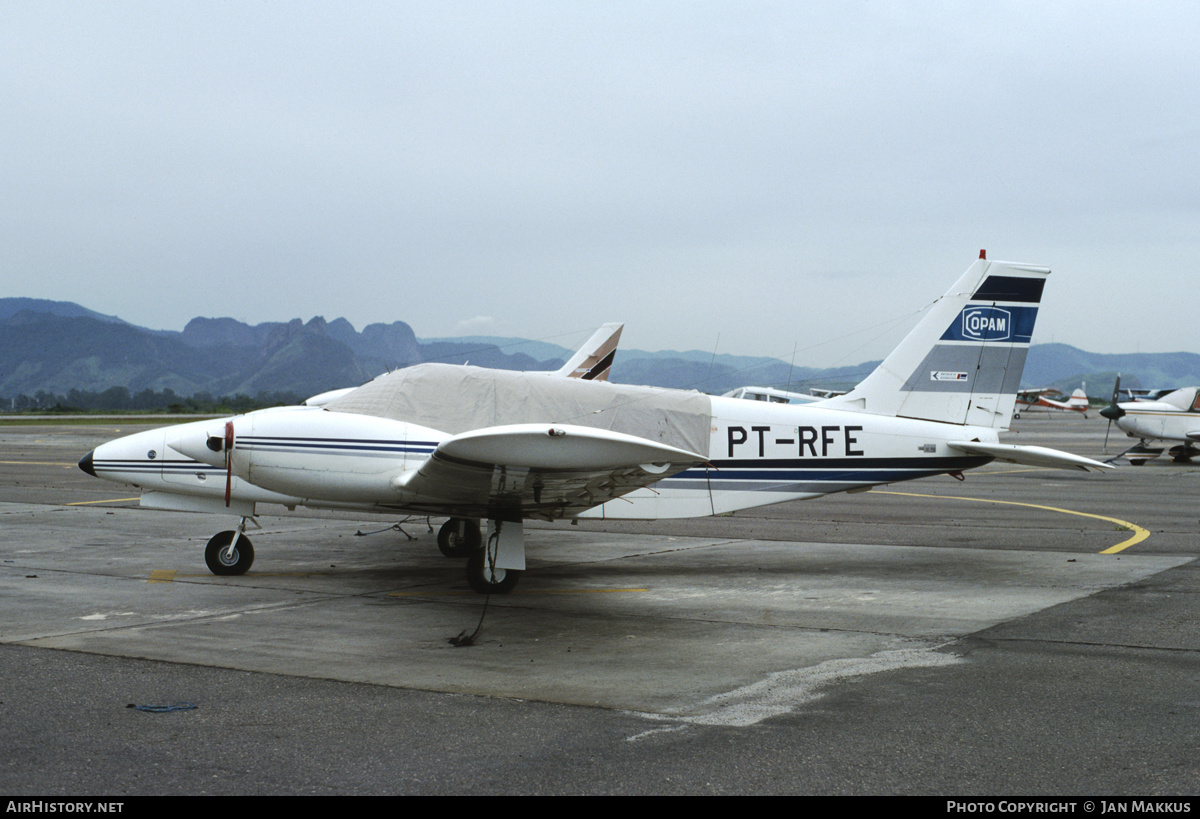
[86, 464]
[1112, 412]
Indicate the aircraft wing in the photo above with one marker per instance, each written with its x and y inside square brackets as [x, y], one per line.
[1028, 455]
[546, 471]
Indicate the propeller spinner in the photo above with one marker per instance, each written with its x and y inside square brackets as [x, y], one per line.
[1113, 411]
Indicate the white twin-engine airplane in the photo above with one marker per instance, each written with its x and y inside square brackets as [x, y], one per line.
[472, 443]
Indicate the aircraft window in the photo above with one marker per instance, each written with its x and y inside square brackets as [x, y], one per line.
[1196, 403]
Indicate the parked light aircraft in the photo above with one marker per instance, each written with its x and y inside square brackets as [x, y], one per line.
[1047, 400]
[777, 396]
[1172, 417]
[472, 443]
[1136, 394]
[772, 395]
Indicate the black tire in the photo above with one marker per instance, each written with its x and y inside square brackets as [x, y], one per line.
[239, 563]
[452, 544]
[482, 580]
[1181, 454]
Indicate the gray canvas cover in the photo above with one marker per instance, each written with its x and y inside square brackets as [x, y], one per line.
[455, 399]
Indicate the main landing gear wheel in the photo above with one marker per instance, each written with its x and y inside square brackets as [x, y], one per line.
[454, 541]
[1182, 454]
[219, 562]
[485, 578]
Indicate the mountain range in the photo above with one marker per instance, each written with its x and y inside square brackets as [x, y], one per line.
[56, 347]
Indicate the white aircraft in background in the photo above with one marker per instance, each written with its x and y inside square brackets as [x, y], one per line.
[777, 396]
[1047, 400]
[471, 443]
[772, 395]
[1135, 394]
[1172, 417]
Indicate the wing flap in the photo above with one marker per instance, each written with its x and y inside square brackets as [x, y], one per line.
[537, 470]
[1028, 455]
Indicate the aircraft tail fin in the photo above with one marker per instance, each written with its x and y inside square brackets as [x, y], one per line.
[594, 360]
[962, 363]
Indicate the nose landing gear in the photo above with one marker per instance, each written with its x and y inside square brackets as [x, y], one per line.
[230, 552]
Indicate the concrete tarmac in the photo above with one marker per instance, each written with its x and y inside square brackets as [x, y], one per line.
[933, 637]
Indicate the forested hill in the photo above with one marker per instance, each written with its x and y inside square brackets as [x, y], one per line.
[54, 347]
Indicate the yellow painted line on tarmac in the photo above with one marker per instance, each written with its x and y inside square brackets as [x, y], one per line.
[170, 575]
[1139, 534]
[251, 576]
[108, 500]
[39, 463]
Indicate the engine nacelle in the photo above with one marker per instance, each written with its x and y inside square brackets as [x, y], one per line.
[315, 454]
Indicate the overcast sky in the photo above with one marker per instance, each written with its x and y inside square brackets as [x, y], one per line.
[750, 177]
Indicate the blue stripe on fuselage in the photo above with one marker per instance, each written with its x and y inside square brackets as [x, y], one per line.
[338, 446]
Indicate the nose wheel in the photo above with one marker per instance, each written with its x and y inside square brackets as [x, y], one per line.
[229, 552]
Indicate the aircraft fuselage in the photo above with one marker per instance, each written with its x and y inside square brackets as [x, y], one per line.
[758, 454]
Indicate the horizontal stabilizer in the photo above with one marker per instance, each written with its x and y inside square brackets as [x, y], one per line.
[1028, 455]
[539, 470]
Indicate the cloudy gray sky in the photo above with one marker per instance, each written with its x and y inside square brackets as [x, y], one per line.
[755, 177]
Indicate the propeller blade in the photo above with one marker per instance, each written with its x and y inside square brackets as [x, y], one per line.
[228, 460]
[1113, 411]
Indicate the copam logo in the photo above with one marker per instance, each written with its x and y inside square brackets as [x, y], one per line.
[987, 324]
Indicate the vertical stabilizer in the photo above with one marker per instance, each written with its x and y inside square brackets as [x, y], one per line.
[962, 363]
[594, 360]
